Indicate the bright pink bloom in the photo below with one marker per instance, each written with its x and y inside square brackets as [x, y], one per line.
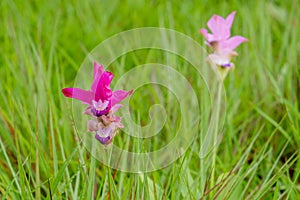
[220, 39]
[102, 103]
[100, 97]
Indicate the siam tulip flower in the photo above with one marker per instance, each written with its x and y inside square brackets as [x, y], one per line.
[102, 104]
[223, 45]
[220, 40]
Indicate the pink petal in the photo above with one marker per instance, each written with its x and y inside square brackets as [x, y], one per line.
[204, 32]
[107, 130]
[93, 125]
[98, 71]
[88, 111]
[102, 90]
[77, 93]
[233, 42]
[214, 23]
[208, 37]
[230, 19]
[115, 108]
[119, 124]
[218, 27]
[119, 95]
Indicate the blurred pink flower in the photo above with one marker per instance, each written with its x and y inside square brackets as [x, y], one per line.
[220, 39]
[102, 103]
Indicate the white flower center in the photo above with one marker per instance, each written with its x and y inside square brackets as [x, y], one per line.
[100, 105]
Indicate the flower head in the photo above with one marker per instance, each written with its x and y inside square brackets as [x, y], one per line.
[220, 39]
[102, 103]
[100, 97]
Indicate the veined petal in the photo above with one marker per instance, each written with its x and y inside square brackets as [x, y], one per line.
[77, 93]
[233, 42]
[98, 71]
[119, 95]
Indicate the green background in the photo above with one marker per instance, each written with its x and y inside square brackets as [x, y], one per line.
[43, 43]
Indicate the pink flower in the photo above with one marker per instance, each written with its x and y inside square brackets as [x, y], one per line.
[100, 97]
[220, 39]
[102, 103]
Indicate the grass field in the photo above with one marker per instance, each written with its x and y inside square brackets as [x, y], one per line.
[42, 47]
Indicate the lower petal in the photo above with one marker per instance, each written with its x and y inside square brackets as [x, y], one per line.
[119, 95]
[233, 42]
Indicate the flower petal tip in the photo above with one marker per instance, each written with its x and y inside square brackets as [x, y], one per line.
[97, 65]
[67, 92]
[232, 14]
[203, 31]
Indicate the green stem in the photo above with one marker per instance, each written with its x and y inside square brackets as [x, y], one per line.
[216, 120]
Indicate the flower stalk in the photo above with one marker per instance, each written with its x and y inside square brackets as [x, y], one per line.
[223, 47]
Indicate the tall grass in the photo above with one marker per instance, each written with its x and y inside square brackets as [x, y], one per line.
[42, 47]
